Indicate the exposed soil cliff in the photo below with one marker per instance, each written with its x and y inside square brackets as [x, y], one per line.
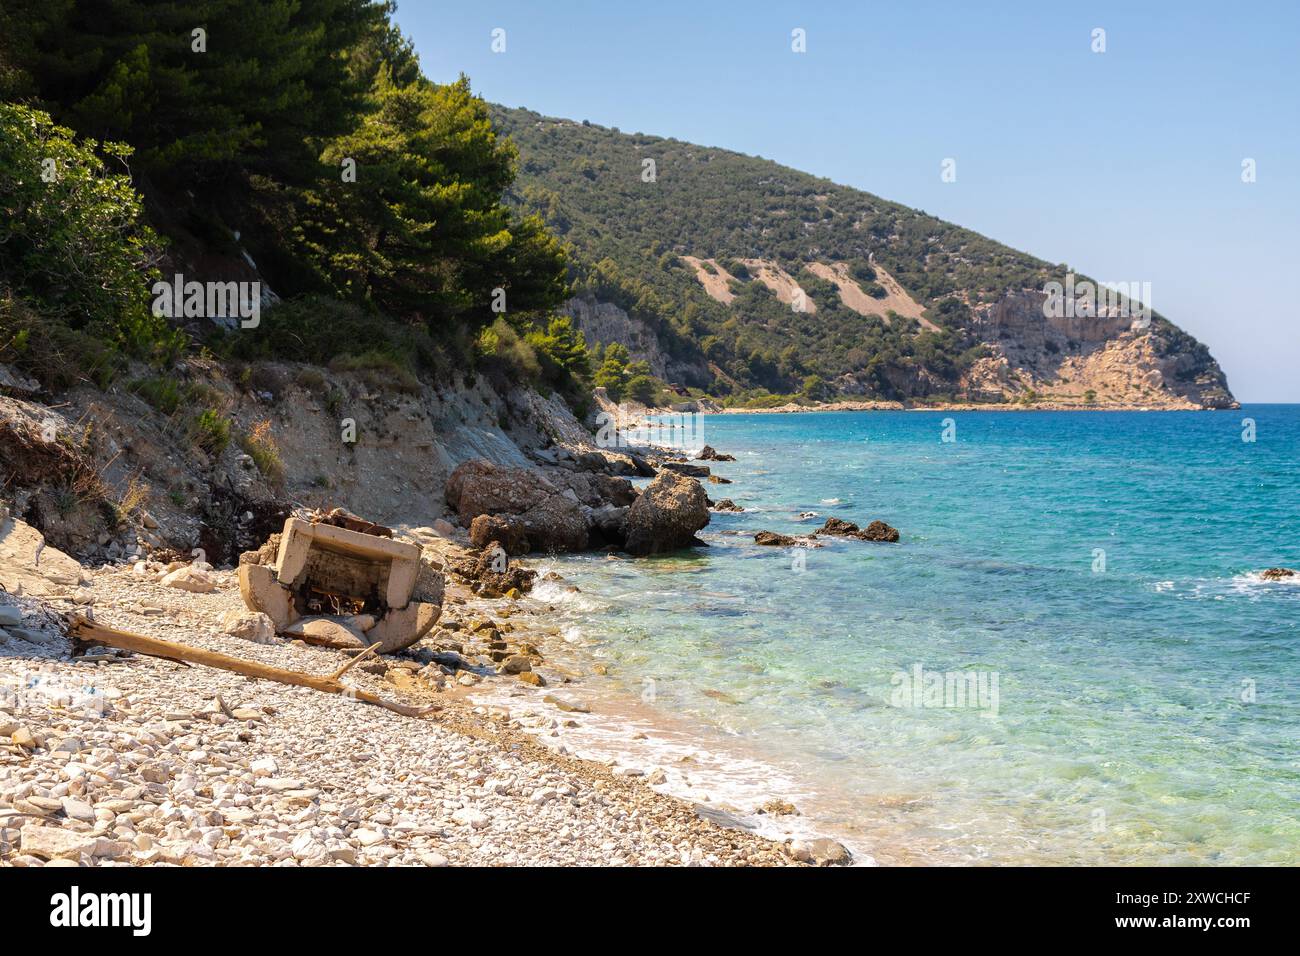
[102, 473]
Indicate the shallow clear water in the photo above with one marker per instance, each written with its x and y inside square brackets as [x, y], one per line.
[1147, 708]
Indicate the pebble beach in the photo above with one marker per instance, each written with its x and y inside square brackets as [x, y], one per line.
[111, 759]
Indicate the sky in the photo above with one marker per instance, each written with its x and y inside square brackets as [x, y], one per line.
[1127, 164]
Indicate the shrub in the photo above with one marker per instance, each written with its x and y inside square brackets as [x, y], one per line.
[318, 330]
[162, 393]
[70, 235]
[562, 353]
[505, 355]
[58, 357]
[644, 389]
[379, 369]
[211, 431]
[72, 246]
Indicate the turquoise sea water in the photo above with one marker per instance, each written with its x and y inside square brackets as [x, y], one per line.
[1101, 567]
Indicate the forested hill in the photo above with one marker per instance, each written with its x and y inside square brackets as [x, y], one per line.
[760, 282]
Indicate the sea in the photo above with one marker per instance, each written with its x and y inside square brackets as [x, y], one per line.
[1070, 657]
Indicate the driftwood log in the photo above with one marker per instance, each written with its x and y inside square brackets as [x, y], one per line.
[84, 629]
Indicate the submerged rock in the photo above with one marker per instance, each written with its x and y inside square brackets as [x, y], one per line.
[666, 515]
[820, 852]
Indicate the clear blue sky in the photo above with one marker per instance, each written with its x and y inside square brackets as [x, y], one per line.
[1125, 164]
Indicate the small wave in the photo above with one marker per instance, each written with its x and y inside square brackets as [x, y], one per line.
[558, 592]
[573, 635]
[1249, 584]
[1256, 579]
[832, 501]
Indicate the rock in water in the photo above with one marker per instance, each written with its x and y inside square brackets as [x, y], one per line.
[772, 538]
[876, 531]
[666, 515]
[684, 468]
[838, 527]
[879, 531]
[1277, 574]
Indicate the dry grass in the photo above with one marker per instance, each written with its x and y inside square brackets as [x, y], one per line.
[259, 444]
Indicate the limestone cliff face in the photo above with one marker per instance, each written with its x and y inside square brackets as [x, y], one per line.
[1107, 360]
[604, 322]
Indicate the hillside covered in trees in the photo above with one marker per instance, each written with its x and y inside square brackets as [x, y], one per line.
[408, 228]
[707, 248]
[293, 143]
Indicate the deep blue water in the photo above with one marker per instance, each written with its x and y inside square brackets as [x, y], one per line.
[1102, 567]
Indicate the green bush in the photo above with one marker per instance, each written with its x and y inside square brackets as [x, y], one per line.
[210, 430]
[162, 393]
[644, 389]
[74, 249]
[70, 232]
[380, 369]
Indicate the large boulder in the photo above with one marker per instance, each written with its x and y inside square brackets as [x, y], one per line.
[556, 524]
[593, 490]
[526, 509]
[478, 487]
[606, 526]
[29, 565]
[666, 515]
[509, 530]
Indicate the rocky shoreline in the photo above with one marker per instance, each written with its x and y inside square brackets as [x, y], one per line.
[115, 759]
[1040, 406]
